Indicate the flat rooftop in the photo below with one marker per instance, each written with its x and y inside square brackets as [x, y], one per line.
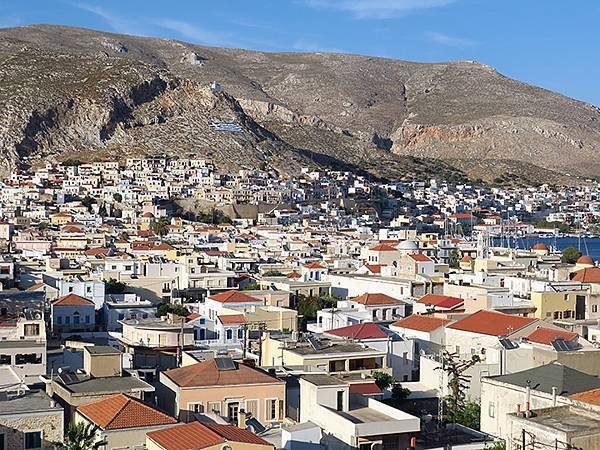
[364, 414]
[566, 419]
[27, 402]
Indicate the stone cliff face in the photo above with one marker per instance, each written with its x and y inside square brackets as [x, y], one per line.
[68, 91]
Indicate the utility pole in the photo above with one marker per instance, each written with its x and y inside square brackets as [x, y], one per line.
[245, 344]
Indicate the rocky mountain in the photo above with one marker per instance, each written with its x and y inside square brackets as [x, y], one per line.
[70, 92]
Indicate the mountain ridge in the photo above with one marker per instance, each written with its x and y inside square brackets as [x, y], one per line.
[68, 89]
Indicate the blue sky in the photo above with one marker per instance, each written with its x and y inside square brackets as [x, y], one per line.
[550, 43]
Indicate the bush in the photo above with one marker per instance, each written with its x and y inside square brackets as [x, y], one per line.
[113, 286]
[164, 308]
[570, 255]
[383, 379]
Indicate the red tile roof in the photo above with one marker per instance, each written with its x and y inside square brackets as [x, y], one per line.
[420, 257]
[491, 323]
[314, 265]
[193, 435]
[120, 411]
[294, 275]
[72, 300]
[443, 301]
[206, 374]
[233, 296]
[367, 330]
[545, 335]
[592, 397]
[383, 248]
[232, 319]
[588, 275]
[421, 323]
[234, 434]
[376, 299]
[364, 388]
[374, 268]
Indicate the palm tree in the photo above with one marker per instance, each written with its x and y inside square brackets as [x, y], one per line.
[161, 227]
[81, 436]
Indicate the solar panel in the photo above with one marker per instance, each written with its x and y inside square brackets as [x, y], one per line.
[224, 363]
[560, 345]
[508, 344]
[314, 343]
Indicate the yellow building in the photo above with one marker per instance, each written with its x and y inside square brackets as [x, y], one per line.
[556, 305]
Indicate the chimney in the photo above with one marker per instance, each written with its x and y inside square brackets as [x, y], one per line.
[554, 394]
[241, 419]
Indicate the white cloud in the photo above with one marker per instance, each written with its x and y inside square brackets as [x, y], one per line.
[378, 9]
[193, 32]
[306, 45]
[115, 22]
[451, 41]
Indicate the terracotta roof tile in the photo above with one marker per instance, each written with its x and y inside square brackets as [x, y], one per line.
[232, 319]
[545, 335]
[592, 397]
[420, 257]
[443, 301]
[588, 275]
[383, 248]
[376, 299]
[234, 434]
[206, 373]
[193, 435]
[233, 296]
[121, 411]
[491, 323]
[72, 300]
[421, 323]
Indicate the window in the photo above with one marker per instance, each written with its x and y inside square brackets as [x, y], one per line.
[5, 359]
[32, 329]
[229, 334]
[33, 440]
[196, 407]
[28, 358]
[87, 319]
[121, 316]
[240, 333]
[75, 318]
[457, 349]
[594, 308]
[214, 407]
[59, 320]
[271, 409]
[2, 444]
[405, 358]
[492, 409]
[252, 407]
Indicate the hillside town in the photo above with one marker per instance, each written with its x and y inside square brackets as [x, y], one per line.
[157, 303]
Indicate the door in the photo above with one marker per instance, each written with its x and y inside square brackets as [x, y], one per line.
[580, 307]
[232, 412]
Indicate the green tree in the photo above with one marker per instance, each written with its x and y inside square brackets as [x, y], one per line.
[469, 414]
[113, 286]
[458, 382]
[71, 162]
[253, 286]
[43, 225]
[164, 308]
[383, 379]
[308, 306]
[88, 201]
[117, 197]
[498, 445]
[570, 255]
[102, 212]
[81, 436]
[454, 259]
[161, 227]
[399, 394]
[273, 273]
